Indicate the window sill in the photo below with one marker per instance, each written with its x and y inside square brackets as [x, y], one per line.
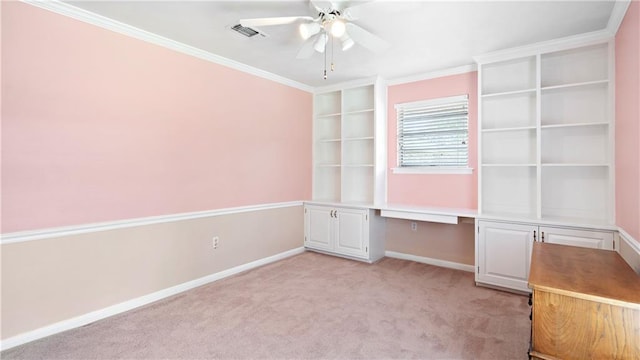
[432, 170]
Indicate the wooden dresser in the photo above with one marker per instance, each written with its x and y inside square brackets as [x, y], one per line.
[586, 304]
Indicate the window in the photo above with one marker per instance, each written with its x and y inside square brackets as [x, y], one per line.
[434, 135]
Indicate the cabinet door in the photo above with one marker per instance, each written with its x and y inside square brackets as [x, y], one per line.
[504, 254]
[352, 233]
[318, 228]
[582, 238]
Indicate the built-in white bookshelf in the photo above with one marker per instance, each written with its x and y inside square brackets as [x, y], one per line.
[546, 131]
[348, 141]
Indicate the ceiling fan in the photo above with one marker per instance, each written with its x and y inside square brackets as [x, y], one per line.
[332, 22]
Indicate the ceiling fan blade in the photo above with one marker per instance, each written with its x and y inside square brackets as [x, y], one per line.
[272, 21]
[366, 39]
[355, 11]
[322, 6]
[307, 48]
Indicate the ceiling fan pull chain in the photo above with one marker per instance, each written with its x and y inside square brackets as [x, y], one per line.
[332, 67]
[325, 61]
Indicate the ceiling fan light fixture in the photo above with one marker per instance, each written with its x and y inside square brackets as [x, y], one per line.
[338, 28]
[309, 29]
[347, 42]
[321, 42]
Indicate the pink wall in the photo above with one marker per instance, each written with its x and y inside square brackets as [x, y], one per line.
[97, 126]
[455, 191]
[627, 138]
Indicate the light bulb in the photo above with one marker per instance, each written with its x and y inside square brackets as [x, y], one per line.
[308, 30]
[337, 28]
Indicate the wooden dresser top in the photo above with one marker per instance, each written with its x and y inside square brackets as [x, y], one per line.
[591, 274]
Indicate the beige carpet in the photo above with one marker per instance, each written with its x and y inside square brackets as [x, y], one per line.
[311, 306]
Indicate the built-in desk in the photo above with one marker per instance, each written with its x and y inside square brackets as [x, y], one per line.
[431, 214]
[586, 304]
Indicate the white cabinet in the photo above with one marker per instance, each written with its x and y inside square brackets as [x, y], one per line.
[349, 144]
[503, 249]
[503, 254]
[351, 232]
[545, 134]
[319, 228]
[583, 238]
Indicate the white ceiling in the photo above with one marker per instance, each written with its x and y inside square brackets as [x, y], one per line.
[425, 36]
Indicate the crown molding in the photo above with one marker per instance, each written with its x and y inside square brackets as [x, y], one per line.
[620, 8]
[433, 74]
[590, 38]
[71, 11]
[349, 84]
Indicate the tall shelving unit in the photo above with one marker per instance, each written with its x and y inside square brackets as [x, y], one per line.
[546, 136]
[349, 160]
[348, 137]
[509, 137]
[545, 153]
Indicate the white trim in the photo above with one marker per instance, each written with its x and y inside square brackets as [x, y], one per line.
[634, 245]
[432, 170]
[433, 74]
[430, 261]
[431, 102]
[16, 237]
[620, 8]
[590, 38]
[345, 85]
[410, 215]
[93, 316]
[71, 11]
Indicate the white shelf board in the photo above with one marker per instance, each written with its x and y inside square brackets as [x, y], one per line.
[555, 126]
[572, 85]
[507, 93]
[357, 165]
[357, 112]
[549, 220]
[358, 138]
[508, 165]
[575, 165]
[327, 115]
[329, 140]
[520, 128]
[328, 165]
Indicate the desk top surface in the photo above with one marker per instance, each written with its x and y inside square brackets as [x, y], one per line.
[592, 274]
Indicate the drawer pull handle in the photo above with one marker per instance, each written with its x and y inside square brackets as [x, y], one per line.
[534, 236]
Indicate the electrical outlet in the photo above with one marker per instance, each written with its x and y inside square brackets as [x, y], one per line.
[215, 242]
[414, 226]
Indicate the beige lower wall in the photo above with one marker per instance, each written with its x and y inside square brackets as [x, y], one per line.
[455, 243]
[51, 280]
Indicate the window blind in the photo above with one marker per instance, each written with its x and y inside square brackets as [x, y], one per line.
[434, 133]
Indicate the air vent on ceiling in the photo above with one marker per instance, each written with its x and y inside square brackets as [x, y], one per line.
[246, 31]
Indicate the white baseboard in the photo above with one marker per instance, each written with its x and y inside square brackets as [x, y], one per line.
[430, 261]
[137, 302]
[630, 251]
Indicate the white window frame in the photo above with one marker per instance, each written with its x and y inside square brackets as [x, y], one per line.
[429, 169]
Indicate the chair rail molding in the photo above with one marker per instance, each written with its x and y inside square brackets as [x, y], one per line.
[30, 235]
